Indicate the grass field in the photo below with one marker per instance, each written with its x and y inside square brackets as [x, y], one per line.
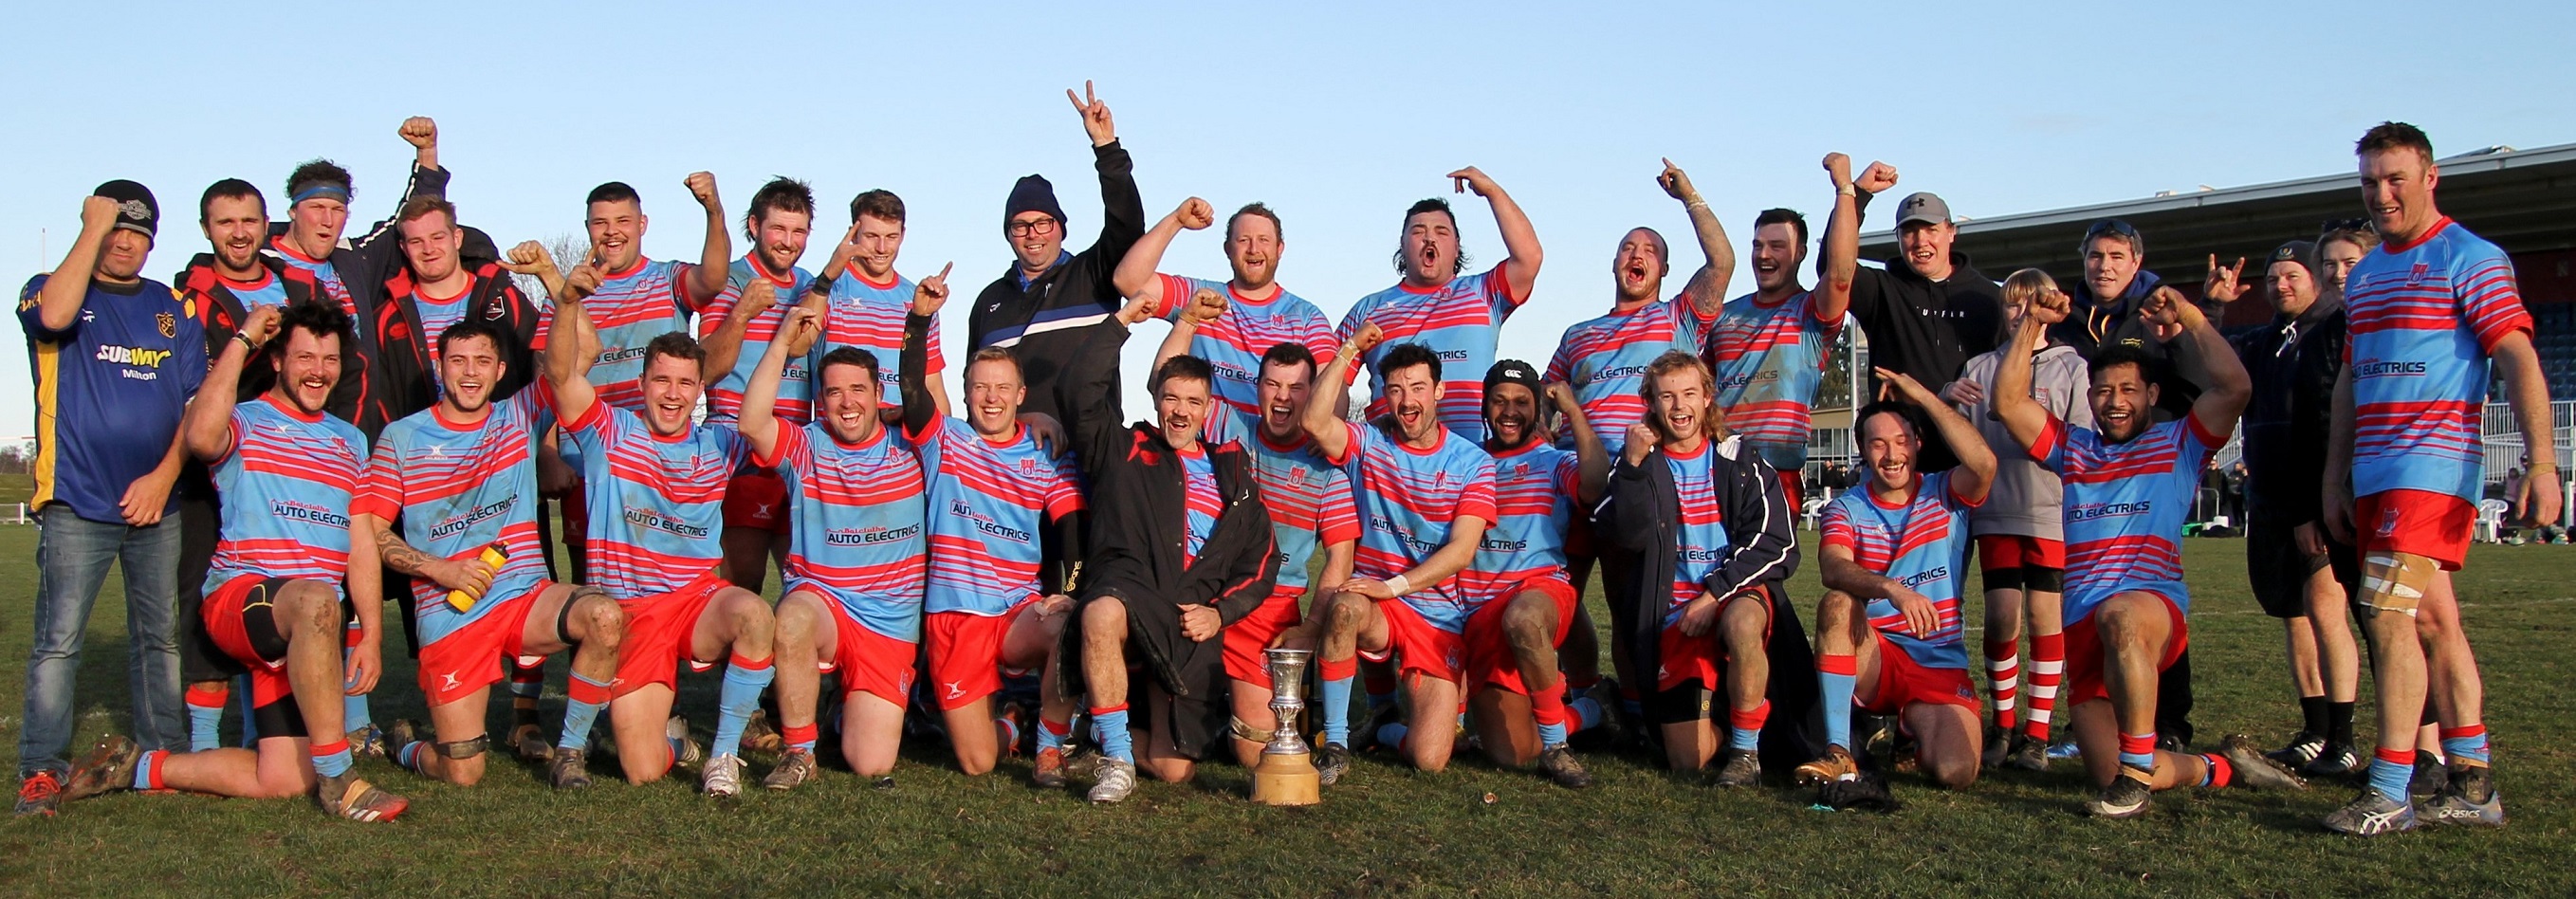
[1384, 830]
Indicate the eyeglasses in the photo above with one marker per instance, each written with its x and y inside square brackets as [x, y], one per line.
[1033, 226]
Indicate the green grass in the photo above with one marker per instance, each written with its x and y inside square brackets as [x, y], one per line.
[1385, 830]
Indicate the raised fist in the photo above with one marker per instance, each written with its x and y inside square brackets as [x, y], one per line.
[1195, 214]
[1641, 440]
[757, 297]
[1839, 166]
[1878, 177]
[702, 185]
[1205, 306]
[261, 325]
[528, 258]
[98, 213]
[1365, 339]
[2051, 306]
[419, 132]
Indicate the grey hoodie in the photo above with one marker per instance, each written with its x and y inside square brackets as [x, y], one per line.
[2027, 499]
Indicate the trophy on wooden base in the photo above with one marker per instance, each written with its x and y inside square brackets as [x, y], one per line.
[1286, 775]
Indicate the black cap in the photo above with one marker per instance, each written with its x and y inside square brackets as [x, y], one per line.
[1512, 371]
[2300, 251]
[1032, 194]
[136, 210]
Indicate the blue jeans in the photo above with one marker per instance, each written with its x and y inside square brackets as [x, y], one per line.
[72, 555]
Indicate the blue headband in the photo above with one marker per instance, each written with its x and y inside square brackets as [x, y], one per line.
[335, 191]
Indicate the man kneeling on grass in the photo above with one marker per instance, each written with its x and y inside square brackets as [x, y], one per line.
[287, 472]
[2127, 488]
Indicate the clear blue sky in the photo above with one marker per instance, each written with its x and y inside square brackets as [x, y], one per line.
[1337, 115]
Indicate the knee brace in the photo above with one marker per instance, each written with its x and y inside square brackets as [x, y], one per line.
[563, 616]
[1692, 701]
[1243, 730]
[464, 749]
[2395, 582]
[2004, 578]
[2037, 579]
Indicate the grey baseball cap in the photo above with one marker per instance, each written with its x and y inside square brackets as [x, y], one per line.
[1921, 206]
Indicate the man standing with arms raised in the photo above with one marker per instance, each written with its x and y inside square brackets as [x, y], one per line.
[1770, 348]
[1928, 311]
[1457, 316]
[1052, 302]
[352, 271]
[1259, 314]
[2434, 315]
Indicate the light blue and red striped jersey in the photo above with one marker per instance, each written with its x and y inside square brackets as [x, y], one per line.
[457, 488]
[1923, 545]
[1769, 360]
[2125, 507]
[2425, 317]
[286, 482]
[859, 517]
[1605, 360]
[1459, 321]
[1309, 499]
[795, 386]
[1234, 342]
[325, 275]
[988, 501]
[1407, 499]
[656, 503]
[869, 316]
[1200, 502]
[631, 308]
[1702, 531]
[1534, 489]
[269, 290]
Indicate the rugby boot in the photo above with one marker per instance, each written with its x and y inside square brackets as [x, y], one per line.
[1117, 781]
[528, 742]
[2336, 760]
[1835, 764]
[759, 736]
[352, 797]
[689, 752]
[1048, 773]
[2304, 747]
[2470, 798]
[2027, 754]
[40, 793]
[368, 741]
[568, 769]
[795, 767]
[1332, 761]
[2431, 778]
[2257, 769]
[1998, 746]
[2126, 797]
[1559, 765]
[2371, 814]
[1742, 768]
[722, 777]
[107, 766]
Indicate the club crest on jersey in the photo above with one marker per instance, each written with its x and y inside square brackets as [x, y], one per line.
[2415, 276]
[1028, 466]
[169, 323]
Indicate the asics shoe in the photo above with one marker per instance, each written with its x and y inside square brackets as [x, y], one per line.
[2471, 799]
[795, 767]
[568, 769]
[1117, 781]
[2126, 797]
[2371, 814]
[1743, 768]
[2256, 769]
[352, 797]
[107, 766]
[1559, 765]
[722, 777]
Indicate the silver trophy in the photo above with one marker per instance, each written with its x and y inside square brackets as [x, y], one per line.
[1286, 775]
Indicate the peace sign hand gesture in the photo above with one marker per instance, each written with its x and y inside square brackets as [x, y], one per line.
[1095, 115]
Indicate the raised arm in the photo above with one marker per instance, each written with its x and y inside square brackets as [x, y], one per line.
[381, 244]
[208, 425]
[1591, 457]
[1976, 471]
[1520, 271]
[2210, 363]
[1205, 304]
[715, 259]
[1323, 418]
[59, 301]
[531, 259]
[1135, 276]
[1708, 285]
[757, 420]
[912, 373]
[1122, 210]
[2024, 417]
[1839, 263]
[573, 348]
[724, 344]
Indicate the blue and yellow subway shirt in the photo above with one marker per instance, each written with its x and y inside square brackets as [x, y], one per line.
[110, 390]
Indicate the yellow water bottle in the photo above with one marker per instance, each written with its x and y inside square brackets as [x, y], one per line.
[493, 555]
